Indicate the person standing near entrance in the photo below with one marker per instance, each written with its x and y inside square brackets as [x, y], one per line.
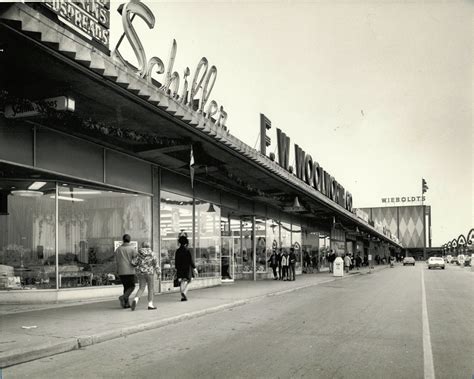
[184, 264]
[331, 259]
[280, 269]
[146, 263]
[123, 257]
[274, 264]
[285, 261]
[292, 264]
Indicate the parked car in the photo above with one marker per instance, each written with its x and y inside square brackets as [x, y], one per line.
[436, 262]
[449, 258]
[408, 261]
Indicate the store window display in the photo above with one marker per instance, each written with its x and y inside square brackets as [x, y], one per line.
[176, 217]
[27, 235]
[91, 225]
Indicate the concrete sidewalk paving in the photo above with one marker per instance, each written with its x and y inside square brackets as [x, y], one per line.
[32, 334]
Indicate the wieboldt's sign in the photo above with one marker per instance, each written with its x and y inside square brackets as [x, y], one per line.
[307, 169]
[203, 80]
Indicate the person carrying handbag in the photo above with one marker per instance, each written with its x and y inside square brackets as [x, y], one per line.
[146, 264]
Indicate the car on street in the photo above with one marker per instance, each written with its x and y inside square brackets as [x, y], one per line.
[408, 261]
[436, 262]
[449, 258]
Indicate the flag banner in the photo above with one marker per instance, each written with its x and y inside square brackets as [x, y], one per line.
[424, 186]
[191, 167]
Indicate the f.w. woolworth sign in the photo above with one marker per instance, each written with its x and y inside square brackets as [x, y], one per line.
[307, 169]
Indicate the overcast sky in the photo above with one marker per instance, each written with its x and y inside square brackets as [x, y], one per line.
[378, 92]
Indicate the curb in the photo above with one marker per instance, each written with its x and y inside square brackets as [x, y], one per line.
[25, 355]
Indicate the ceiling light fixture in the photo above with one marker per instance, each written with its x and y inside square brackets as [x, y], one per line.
[27, 193]
[36, 185]
[67, 198]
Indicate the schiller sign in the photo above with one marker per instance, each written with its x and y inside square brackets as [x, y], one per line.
[204, 76]
[91, 17]
[307, 169]
[403, 199]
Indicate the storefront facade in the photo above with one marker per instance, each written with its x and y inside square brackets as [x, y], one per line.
[102, 153]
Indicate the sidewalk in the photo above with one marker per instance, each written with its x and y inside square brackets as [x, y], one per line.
[30, 334]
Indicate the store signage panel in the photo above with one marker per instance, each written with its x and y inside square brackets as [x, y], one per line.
[307, 169]
[195, 93]
[28, 108]
[403, 199]
[88, 17]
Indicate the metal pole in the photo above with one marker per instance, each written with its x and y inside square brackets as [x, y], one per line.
[424, 222]
[254, 249]
[56, 231]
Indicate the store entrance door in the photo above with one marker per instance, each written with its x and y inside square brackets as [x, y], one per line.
[227, 259]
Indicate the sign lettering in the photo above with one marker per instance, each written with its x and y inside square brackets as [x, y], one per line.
[91, 17]
[204, 78]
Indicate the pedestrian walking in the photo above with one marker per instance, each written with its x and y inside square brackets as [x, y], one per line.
[347, 262]
[307, 262]
[184, 264]
[292, 264]
[280, 268]
[123, 257]
[358, 261]
[274, 264]
[285, 261]
[146, 264]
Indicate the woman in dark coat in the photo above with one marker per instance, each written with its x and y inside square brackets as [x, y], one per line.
[185, 267]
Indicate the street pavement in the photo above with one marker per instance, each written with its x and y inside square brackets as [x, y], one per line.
[364, 326]
[33, 331]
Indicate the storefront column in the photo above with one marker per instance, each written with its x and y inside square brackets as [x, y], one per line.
[56, 232]
[155, 222]
[254, 249]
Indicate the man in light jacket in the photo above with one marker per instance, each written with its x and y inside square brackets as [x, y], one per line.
[123, 256]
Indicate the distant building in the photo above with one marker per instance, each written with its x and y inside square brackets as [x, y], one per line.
[406, 223]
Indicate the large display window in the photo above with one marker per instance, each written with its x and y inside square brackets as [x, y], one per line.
[89, 223]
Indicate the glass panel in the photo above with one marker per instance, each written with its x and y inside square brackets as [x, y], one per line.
[261, 247]
[235, 228]
[296, 243]
[324, 243]
[246, 241]
[27, 237]
[273, 237]
[310, 242]
[91, 225]
[285, 233]
[208, 239]
[176, 216]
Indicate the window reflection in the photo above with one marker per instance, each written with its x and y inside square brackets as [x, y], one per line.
[176, 216]
[91, 225]
[27, 239]
[208, 239]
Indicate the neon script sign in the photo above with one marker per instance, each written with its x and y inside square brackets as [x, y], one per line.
[204, 76]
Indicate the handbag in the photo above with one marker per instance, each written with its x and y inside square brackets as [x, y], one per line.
[176, 282]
